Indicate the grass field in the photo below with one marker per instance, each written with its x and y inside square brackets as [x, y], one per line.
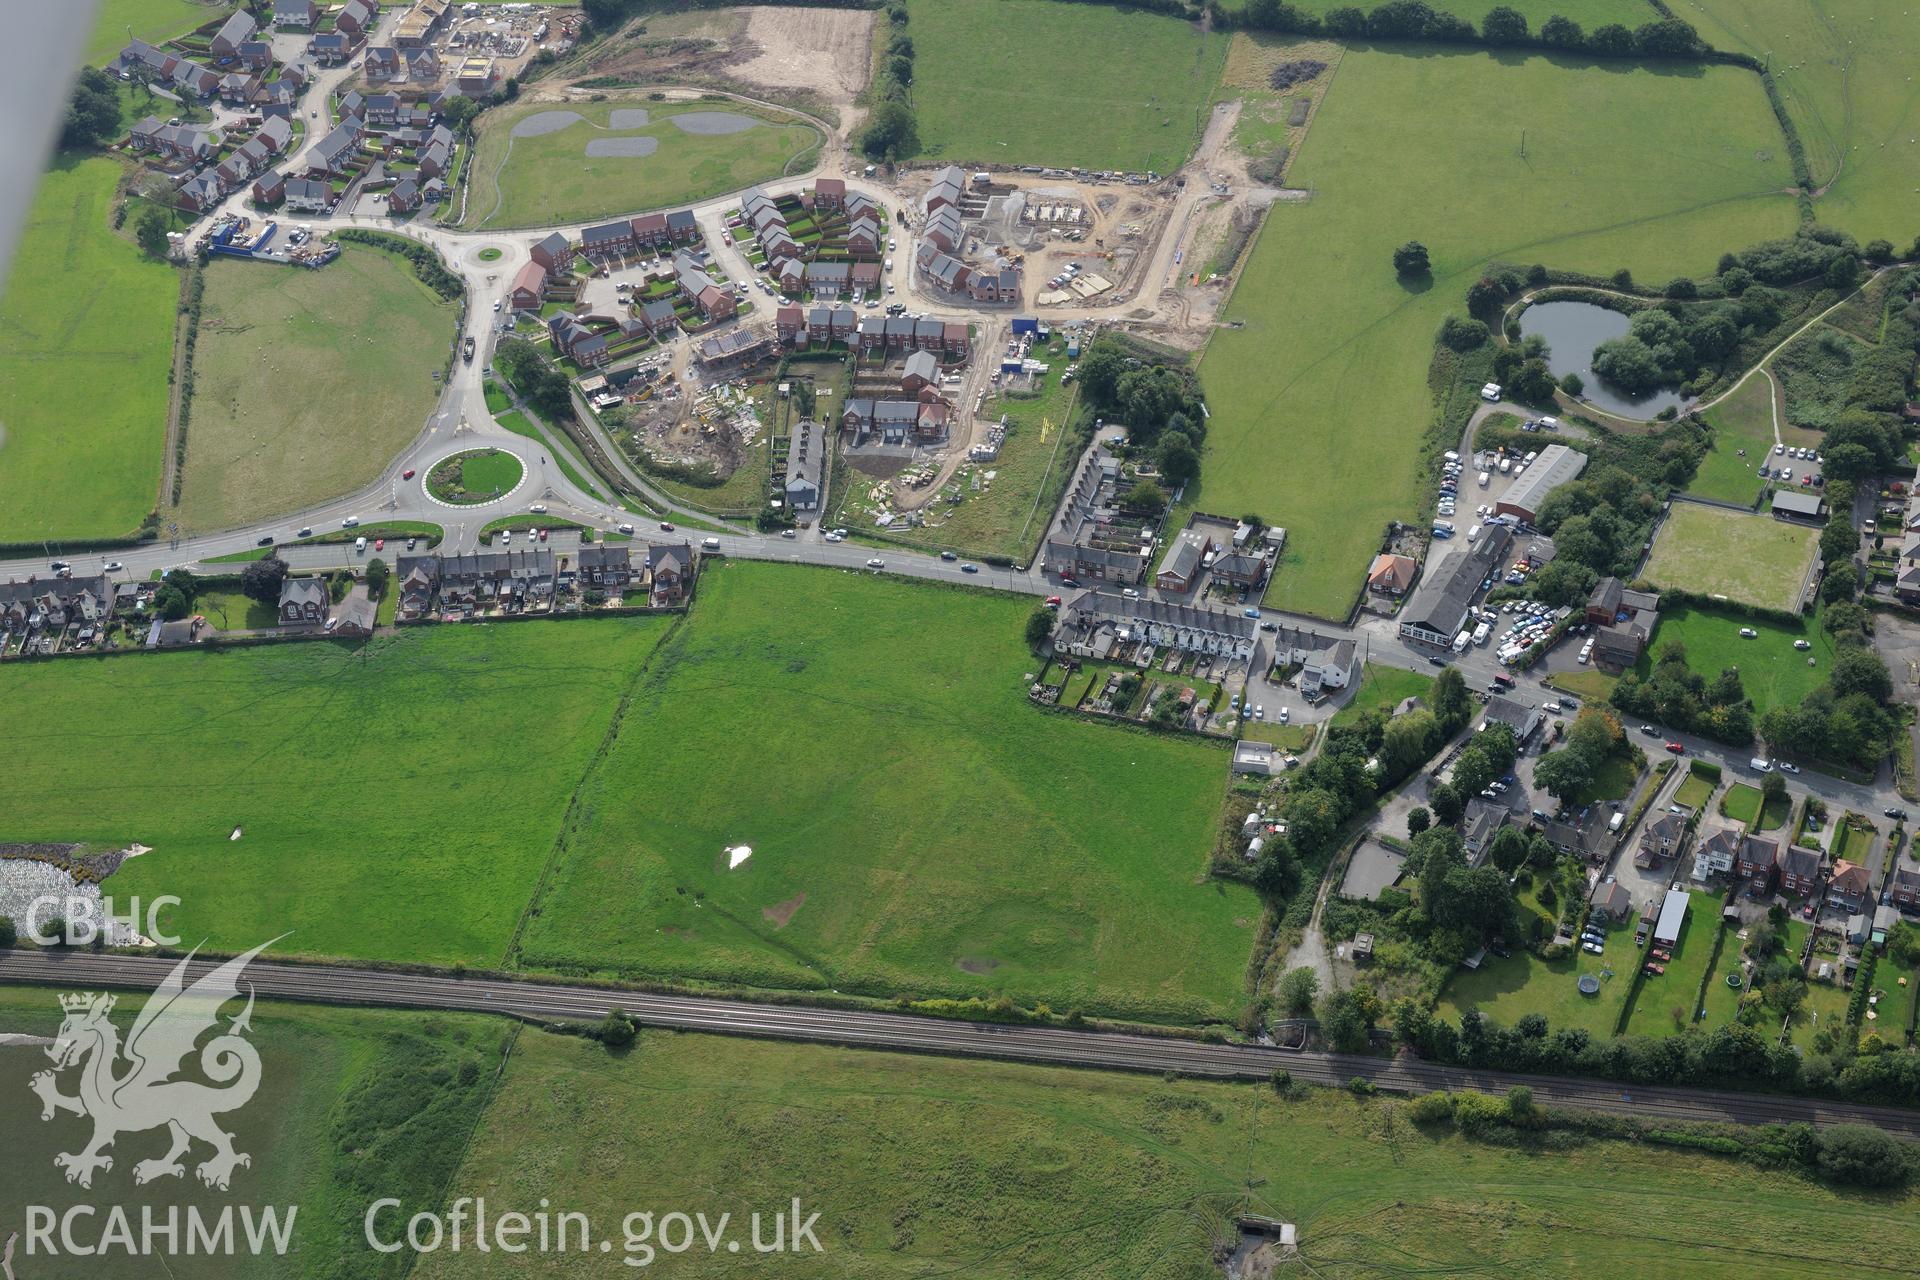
[1034, 82]
[532, 181]
[1661, 995]
[1813, 372]
[931, 1166]
[295, 399]
[1772, 671]
[1745, 420]
[86, 339]
[1319, 403]
[916, 826]
[1753, 559]
[1845, 72]
[153, 20]
[1382, 689]
[349, 1100]
[390, 801]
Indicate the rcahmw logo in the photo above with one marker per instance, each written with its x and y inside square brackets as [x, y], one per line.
[136, 1087]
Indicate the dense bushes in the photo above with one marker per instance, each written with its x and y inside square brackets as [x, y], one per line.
[1675, 695]
[426, 263]
[93, 111]
[892, 134]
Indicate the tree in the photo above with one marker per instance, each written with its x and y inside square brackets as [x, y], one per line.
[1843, 271]
[1773, 789]
[1179, 460]
[150, 232]
[543, 387]
[1039, 627]
[1297, 990]
[1463, 335]
[378, 575]
[1452, 704]
[1145, 495]
[458, 111]
[93, 111]
[183, 581]
[1504, 25]
[1860, 1156]
[1411, 259]
[1860, 671]
[1562, 33]
[1099, 372]
[8, 934]
[1838, 541]
[1446, 803]
[1841, 583]
[171, 603]
[1563, 774]
[891, 134]
[617, 1030]
[1484, 298]
[1418, 820]
[262, 579]
[1572, 383]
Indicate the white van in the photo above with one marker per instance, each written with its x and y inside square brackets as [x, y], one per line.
[1759, 765]
[359, 546]
[710, 544]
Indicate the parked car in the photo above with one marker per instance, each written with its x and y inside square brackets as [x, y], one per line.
[1649, 730]
[1897, 814]
[1250, 613]
[1053, 602]
[1748, 633]
[1593, 947]
[787, 533]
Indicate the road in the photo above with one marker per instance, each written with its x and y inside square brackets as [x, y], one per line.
[342, 985]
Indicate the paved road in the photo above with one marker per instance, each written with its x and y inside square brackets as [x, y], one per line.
[371, 988]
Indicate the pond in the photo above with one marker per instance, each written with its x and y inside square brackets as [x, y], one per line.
[1572, 330]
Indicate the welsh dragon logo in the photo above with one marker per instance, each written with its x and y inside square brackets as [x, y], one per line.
[134, 1087]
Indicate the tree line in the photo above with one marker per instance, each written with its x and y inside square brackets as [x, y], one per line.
[1503, 27]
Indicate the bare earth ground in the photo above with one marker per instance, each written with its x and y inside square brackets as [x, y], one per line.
[824, 50]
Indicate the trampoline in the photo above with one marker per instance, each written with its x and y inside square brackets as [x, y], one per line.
[1589, 985]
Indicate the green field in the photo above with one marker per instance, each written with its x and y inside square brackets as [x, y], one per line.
[916, 826]
[1745, 420]
[533, 181]
[1035, 82]
[934, 1167]
[1753, 559]
[1382, 689]
[83, 313]
[349, 1100]
[1588, 13]
[397, 797]
[1773, 672]
[152, 20]
[1846, 73]
[1320, 401]
[1667, 1002]
[295, 398]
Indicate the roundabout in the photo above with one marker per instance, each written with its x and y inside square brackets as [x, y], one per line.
[474, 477]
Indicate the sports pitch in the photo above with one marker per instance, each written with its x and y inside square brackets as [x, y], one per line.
[1752, 559]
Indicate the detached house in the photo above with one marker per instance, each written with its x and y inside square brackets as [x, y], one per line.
[355, 18]
[295, 15]
[307, 195]
[1392, 575]
[1800, 871]
[234, 32]
[553, 253]
[529, 288]
[303, 602]
[1850, 887]
[669, 573]
[383, 64]
[829, 194]
[1717, 854]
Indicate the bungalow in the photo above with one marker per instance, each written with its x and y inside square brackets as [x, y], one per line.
[608, 240]
[303, 602]
[669, 573]
[829, 194]
[269, 188]
[235, 31]
[827, 279]
[658, 316]
[1850, 887]
[355, 17]
[1758, 863]
[554, 253]
[923, 370]
[356, 616]
[529, 288]
[405, 197]
[295, 15]
[1611, 902]
[308, 195]
[383, 64]
[1800, 871]
[1392, 575]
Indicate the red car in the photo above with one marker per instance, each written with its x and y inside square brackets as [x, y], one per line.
[1053, 602]
[1676, 748]
[543, 535]
[407, 474]
[1656, 969]
[379, 544]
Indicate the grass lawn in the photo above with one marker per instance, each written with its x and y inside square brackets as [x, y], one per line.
[295, 400]
[152, 20]
[1382, 689]
[1007, 514]
[1612, 781]
[1745, 420]
[1507, 990]
[546, 178]
[1753, 559]
[1745, 804]
[1825, 1007]
[1895, 1007]
[1772, 671]
[231, 611]
[1034, 82]
[348, 1100]
[570, 465]
[1845, 73]
[934, 1166]
[1694, 791]
[82, 301]
[916, 826]
[1679, 987]
[360, 774]
[1722, 1003]
[1319, 403]
[1589, 685]
[1813, 372]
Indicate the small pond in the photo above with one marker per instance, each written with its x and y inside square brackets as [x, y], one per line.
[1572, 330]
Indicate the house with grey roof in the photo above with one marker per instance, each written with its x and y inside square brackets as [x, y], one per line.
[806, 467]
[1163, 624]
[1438, 607]
[304, 602]
[234, 32]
